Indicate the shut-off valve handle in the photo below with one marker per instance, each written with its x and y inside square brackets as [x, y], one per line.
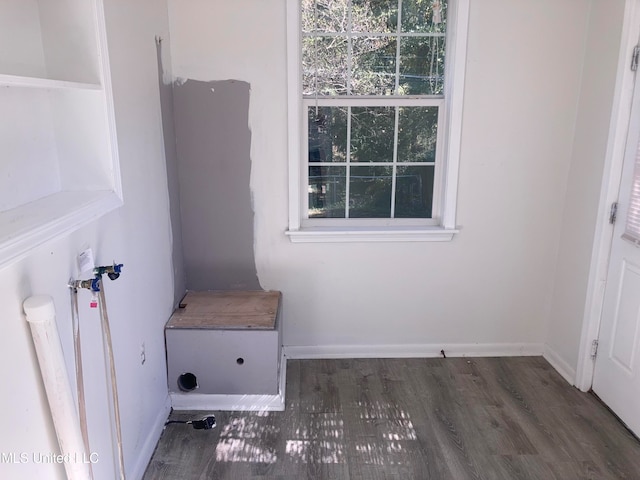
[112, 271]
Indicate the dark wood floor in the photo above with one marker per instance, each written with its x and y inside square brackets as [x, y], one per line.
[364, 419]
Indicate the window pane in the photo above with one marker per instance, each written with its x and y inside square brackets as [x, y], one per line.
[324, 16]
[417, 16]
[417, 134]
[372, 134]
[327, 192]
[373, 66]
[414, 192]
[632, 227]
[375, 16]
[421, 65]
[327, 134]
[370, 192]
[324, 65]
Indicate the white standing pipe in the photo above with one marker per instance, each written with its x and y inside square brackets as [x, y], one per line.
[41, 315]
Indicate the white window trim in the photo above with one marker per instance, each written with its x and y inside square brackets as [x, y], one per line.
[453, 98]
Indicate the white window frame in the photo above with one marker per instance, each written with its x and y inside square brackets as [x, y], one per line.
[443, 225]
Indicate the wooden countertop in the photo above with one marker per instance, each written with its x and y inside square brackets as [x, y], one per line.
[233, 310]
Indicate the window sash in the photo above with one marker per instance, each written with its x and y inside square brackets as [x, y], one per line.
[438, 165]
[349, 33]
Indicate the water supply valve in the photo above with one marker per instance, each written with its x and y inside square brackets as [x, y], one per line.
[112, 271]
[92, 284]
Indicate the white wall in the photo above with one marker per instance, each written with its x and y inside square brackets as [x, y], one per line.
[493, 283]
[139, 303]
[583, 188]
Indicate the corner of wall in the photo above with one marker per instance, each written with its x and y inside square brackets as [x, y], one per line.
[149, 444]
[562, 367]
[572, 283]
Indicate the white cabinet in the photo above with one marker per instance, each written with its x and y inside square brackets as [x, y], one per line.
[58, 156]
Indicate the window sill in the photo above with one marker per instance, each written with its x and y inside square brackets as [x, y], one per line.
[371, 234]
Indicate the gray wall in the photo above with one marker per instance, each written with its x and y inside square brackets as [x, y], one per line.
[214, 168]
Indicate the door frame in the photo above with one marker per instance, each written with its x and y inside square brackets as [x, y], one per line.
[609, 191]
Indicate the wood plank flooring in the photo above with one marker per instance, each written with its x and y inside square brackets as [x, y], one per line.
[370, 419]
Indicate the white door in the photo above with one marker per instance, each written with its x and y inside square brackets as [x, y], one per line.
[617, 369]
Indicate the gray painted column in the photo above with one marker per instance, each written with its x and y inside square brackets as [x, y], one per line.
[214, 163]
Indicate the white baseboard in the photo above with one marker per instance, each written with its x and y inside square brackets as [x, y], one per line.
[149, 446]
[252, 403]
[414, 351]
[217, 402]
[562, 367]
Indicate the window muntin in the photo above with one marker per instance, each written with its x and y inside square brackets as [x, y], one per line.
[373, 102]
[372, 161]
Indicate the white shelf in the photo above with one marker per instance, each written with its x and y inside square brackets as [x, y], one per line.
[60, 167]
[27, 226]
[37, 82]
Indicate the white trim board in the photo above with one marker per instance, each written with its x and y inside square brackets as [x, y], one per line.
[560, 364]
[414, 350]
[246, 403]
[150, 443]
